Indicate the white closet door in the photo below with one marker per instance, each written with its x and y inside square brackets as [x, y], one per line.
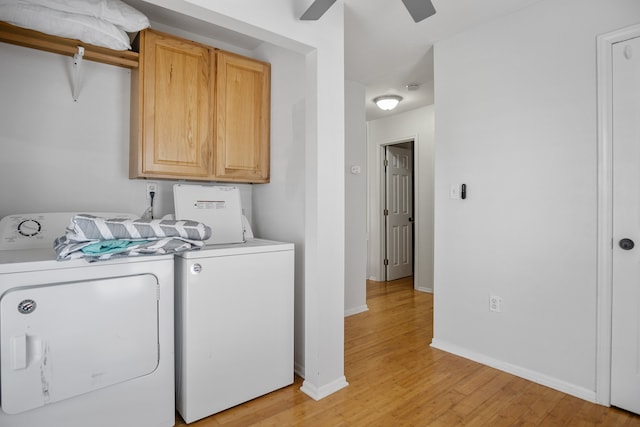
[625, 350]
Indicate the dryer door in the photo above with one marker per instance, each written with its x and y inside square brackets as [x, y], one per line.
[62, 340]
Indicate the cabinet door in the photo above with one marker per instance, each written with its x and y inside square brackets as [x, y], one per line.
[175, 94]
[243, 100]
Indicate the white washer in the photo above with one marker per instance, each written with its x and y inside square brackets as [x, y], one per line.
[82, 344]
[234, 324]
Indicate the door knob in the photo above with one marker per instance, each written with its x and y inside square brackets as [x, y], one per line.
[626, 244]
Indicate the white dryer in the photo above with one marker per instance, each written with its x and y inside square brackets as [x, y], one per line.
[82, 344]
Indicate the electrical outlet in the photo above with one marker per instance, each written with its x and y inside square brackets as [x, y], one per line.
[152, 187]
[495, 303]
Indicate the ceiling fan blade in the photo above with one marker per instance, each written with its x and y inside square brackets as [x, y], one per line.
[316, 10]
[419, 9]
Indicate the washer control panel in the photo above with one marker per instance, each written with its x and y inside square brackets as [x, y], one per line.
[39, 230]
[30, 231]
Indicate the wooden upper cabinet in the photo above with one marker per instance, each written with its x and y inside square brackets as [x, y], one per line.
[198, 113]
[243, 118]
[172, 108]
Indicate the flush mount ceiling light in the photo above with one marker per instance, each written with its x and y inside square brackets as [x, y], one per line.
[387, 102]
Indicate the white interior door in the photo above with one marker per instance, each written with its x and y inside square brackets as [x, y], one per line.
[625, 345]
[399, 210]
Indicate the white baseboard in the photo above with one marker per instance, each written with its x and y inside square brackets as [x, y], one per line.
[355, 310]
[527, 374]
[422, 289]
[317, 393]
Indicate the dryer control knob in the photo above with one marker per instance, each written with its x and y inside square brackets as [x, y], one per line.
[196, 268]
[27, 306]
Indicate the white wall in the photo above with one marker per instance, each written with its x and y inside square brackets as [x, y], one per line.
[516, 122]
[355, 282]
[279, 207]
[61, 155]
[416, 125]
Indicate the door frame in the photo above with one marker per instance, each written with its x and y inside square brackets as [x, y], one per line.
[604, 280]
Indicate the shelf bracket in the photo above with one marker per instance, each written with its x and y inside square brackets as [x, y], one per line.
[77, 63]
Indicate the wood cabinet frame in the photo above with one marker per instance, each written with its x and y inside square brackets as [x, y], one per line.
[237, 148]
[63, 46]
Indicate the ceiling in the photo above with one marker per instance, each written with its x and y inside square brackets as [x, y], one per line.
[384, 49]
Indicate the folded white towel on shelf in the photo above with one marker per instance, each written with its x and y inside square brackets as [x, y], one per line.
[116, 12]
[102, 23]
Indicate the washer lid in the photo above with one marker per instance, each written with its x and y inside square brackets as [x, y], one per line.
[217, 206]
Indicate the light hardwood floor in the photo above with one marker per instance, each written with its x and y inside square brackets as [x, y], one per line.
[396, 379]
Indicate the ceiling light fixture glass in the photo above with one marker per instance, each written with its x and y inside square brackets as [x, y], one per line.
[387, 102]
